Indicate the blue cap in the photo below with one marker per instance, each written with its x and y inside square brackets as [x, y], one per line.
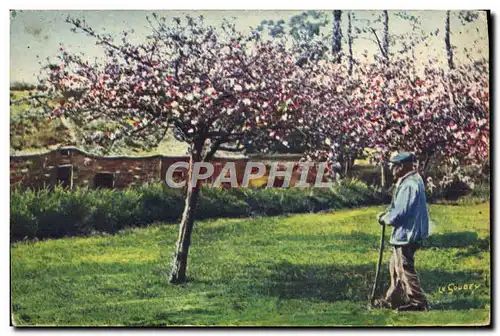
[402, 157]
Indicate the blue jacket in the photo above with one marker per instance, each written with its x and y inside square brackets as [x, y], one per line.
[408, 211]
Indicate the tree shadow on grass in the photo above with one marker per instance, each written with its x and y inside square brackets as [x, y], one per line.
[437, 282]
[335, 282]
[457, 240]
[347, 242]
[191, 316]
[461, 304]
[354, 283]
[444, 240]
[317, 281]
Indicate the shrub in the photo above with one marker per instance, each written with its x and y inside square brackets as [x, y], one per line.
[458, 188]
[23, 222]
[273, 201]
[160, 203]
[61, 212]
[218, 202]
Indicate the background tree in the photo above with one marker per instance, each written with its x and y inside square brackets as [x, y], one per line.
[464, 17]
[275, 29]
[302, 32]
[335, 128]
[406, 42]
[385, 47]
[353, 33]
[337, 36]
[369, 29]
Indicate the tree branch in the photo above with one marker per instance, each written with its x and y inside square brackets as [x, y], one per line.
[231, 149]
[378, 42]
[213, 149]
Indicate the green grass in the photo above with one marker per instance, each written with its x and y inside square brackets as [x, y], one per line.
[302, 270]
[31, 134]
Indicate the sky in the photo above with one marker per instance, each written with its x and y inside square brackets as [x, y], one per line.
[39, 33]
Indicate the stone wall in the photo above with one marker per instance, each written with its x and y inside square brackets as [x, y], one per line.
[72, 167]
[41, 170]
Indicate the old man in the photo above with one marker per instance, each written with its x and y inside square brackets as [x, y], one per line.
[408, 215]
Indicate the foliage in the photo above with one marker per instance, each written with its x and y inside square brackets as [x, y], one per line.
[213, 85]
[217, 202]
[304, 32]
[459, 187]
[392, 104]
[335, 128]
[434, 114]
[303, 28]
[299, 270]
[21, 86]
[275, 29]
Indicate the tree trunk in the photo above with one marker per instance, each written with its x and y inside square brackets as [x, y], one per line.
[179, 262]
[385, 46]
[349, 41]
[337, 36]
[385, 43]
[383, 175]
[426, 163]
[447, 42]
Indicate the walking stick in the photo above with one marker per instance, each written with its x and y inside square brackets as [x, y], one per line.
[381, 252]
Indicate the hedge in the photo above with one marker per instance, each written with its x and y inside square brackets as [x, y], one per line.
[60, 212]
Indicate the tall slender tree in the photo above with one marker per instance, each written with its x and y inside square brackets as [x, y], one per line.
[385, 48]
[447, 41]
[385, 16]
[350, 39]
[337, 36]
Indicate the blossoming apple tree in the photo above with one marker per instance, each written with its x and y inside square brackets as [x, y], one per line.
[442, 117]
[217, 89]
[335, 127]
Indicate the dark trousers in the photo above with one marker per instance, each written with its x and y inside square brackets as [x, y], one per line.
[405, 286]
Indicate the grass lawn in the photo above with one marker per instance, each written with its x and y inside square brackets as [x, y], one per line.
[301, 270]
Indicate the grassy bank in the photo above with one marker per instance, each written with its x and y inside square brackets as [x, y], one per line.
[307, 270]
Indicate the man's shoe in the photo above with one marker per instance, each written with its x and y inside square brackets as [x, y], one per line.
[411, 307]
